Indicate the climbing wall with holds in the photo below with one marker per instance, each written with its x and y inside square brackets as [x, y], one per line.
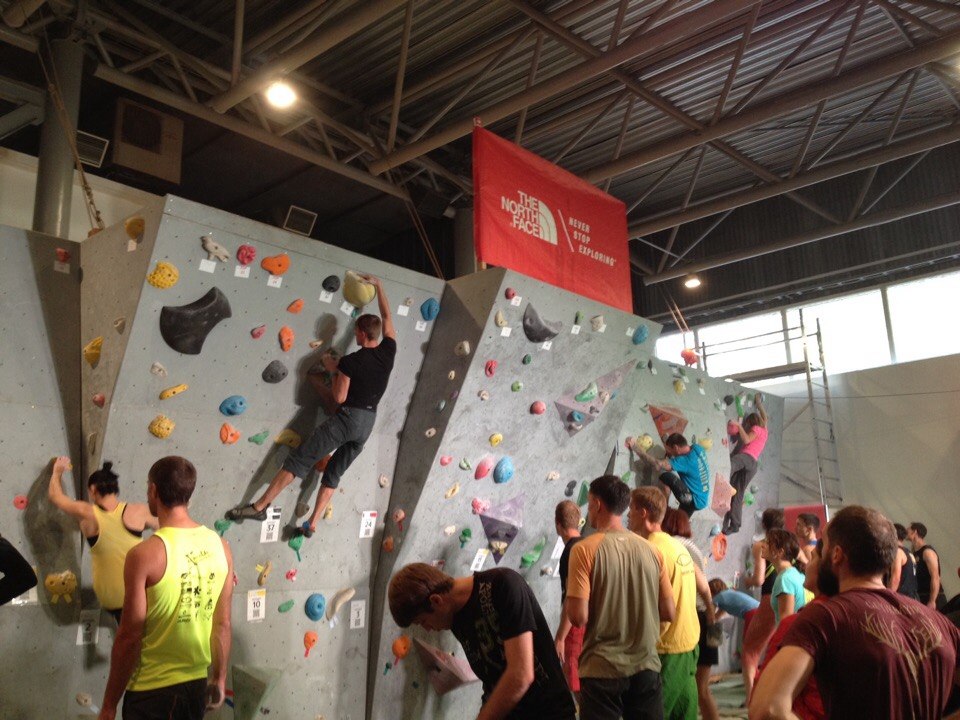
[39, 382]
[232, 318]
[522, 399]
[671, 397]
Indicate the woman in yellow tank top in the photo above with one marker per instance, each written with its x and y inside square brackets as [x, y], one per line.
[111, 528]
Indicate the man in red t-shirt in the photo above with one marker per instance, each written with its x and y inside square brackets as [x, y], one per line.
[875, 653]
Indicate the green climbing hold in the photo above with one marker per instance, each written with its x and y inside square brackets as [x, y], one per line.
[386, 668]
[578, 318]
[295, 543]
[748, 499]
[517, 386]
[527, 359]
[259, 438]
[532, 556]
[286, 606]
[588, 393]
[221, 526]
[627, 477]
[465, 536]
[464, 464]
[582, 497]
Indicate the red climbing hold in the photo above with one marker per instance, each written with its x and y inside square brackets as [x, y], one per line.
[246, 254]
[490, 368]
[258, 332]
[689, 356]
[286, 338]
[538, 408]
[20, 502]
[296, 306]
[276, 264]
[509, 293]
[63, 255]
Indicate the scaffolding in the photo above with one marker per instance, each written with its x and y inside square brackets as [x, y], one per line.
[824, 482]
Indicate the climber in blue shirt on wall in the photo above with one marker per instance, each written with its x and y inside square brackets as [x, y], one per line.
[685, 472]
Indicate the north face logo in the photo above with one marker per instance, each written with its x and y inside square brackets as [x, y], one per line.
[531, 215]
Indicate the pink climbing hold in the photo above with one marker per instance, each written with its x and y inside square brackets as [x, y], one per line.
[291, 575]
[445, 460]
[246, 254]
[99, 400]
[509, 293]
[398, 516]
[258, 332]
[490, 368]
[20, 502]
[480, 506]
[483, 468]
[63, 255]
[538, 408]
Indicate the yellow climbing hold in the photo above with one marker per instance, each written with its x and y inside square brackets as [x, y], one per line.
[171, 391]
[496, 439]
[91, 351]
[328, 512]
[61, 585]
[679, 386]
[357, 291]
[288, 437]
[645, 442]
[164, 276]
[454, 489]
[134, 227]
[161, 426]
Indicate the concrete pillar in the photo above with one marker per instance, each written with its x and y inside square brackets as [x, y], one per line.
[51, 210]
[464, 253]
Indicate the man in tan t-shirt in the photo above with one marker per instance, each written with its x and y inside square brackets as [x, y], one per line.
[618, 589]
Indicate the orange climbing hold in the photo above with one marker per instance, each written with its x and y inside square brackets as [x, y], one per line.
[229, 434]
[388, 544]
[286, 338]
[401, 647]
[309, 640]
[296, 306]
[276, 264]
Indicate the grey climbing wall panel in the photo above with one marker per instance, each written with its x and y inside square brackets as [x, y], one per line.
[331, 682]
[38, 369]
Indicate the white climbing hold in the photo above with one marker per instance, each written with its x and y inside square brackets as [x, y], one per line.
[339, 600]
[553, 475]
[499, 319]
[462, 349]
[430, 432]
[314, 344]
[452, 375]
[483, 395]
[215, 251]
[596, 322]
[383, 480]
[449, 530]
[158, 370]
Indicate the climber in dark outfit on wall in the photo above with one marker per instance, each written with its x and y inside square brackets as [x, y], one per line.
[358, 382]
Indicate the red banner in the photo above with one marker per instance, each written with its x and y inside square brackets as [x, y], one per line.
[536, 218]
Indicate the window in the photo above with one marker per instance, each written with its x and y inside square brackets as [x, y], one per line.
[670, 346]
[749, 343]
[854, 332]
[920, 313]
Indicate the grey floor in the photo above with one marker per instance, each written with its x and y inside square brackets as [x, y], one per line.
[729, 695]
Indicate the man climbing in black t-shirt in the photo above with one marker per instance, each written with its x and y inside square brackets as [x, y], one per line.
[495, 616]
[358, 382]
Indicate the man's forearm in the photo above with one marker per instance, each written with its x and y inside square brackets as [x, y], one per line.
[509, 691]
[220, 652]
[383, 302]
[934, 590]
[123, 661]
[565, 626]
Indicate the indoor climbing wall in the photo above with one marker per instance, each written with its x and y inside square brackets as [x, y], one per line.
[222, 354]
[39, 414]
[527, 393]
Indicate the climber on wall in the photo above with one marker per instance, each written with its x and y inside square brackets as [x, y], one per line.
[358, 382]
[751, 439]
[112, 528]
[684, 471]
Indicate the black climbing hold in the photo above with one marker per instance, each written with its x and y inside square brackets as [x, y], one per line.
[570, 486]
[331, 283]
[537, 329]
[274, 372]
[728, 400]
[185, 328]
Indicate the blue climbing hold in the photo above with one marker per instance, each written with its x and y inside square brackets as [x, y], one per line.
[576, 416]
[315, 606]
[504, 470]
[233, 405]
[430, 309]
[640, 335]
[715, 530]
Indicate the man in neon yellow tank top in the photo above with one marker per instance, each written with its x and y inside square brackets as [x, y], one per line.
[171, 651]
[111, 528]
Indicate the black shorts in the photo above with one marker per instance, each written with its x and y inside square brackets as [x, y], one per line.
[709, 656]
[184, 701]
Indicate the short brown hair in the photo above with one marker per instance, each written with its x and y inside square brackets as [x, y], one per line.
[175, 478]
[410, 590]
[677, 523]
[370, 326]
[676, 440]
[772, 518]
[717, 586]
[651, 500]
[868, 539]
[612, 492]
[567, 515]
[784, 541]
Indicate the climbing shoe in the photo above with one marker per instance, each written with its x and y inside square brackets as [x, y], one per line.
[245, 512]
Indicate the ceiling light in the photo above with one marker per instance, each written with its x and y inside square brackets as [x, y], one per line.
[691, 281]
[281, 95]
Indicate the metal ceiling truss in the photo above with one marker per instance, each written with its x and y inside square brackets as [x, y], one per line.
[604, 84]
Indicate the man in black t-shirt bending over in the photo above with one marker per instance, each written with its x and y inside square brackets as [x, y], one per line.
[504, 635]
[358, 382]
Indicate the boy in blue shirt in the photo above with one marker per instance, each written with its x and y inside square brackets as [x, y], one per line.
[685, 472]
